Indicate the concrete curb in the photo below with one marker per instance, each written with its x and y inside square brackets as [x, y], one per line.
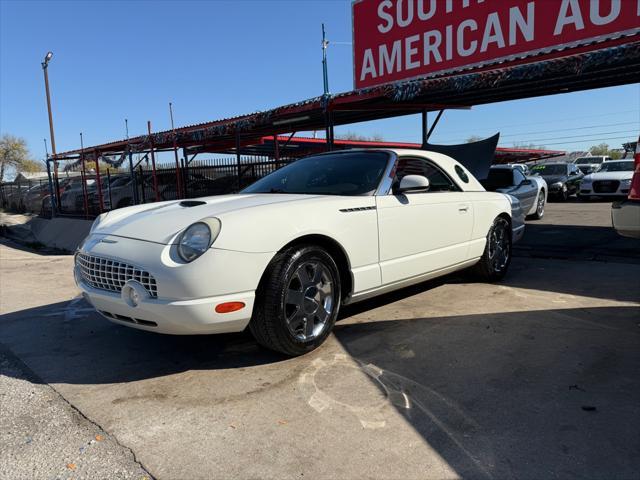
[59, 233]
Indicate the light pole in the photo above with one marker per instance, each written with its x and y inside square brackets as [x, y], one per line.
[45, 64]
[325, 73]
[327, 95]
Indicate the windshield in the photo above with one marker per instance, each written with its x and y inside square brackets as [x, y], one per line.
[588, 160]
[352, 173]
[617, 167]
[498, 178]
[554, 169]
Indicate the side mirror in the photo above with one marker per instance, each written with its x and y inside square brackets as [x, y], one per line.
[526, 181]
[413, 184]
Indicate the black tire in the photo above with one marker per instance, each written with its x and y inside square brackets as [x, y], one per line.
[539, 209]
[564, 193]
[273, 315]
[487, 269]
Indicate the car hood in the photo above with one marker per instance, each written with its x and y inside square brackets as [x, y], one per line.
[161, 222]
[609, 176]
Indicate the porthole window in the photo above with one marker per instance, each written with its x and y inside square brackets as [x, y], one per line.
[462, 174]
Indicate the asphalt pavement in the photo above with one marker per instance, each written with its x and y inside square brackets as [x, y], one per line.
[534, 377]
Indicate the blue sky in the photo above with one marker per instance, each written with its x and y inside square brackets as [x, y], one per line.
[115, 60]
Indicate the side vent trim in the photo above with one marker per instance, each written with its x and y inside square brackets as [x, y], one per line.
[356, 209]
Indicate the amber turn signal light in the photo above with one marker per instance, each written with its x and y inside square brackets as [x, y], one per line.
[229, 307]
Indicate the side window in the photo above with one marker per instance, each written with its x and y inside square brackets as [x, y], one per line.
[438, 180]
[518, 177]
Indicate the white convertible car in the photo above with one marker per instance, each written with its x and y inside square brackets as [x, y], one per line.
[285, 253]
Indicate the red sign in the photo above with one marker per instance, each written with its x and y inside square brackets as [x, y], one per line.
[401, 39]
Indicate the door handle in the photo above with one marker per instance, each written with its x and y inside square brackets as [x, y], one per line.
[463, 208]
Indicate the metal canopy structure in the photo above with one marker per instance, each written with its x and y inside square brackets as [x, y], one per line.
[294, 147]
[616, 65]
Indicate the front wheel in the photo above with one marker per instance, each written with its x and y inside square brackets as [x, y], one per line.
[564, 193]
[495, 260]
[297, 301]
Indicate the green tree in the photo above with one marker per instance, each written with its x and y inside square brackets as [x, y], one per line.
[29, 165]
[603, 149]
[13, 153]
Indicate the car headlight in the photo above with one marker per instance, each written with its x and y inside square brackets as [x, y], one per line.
[197, 238]
[557, 185]
[625, 183]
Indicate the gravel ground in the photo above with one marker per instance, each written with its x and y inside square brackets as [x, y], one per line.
[43, 437]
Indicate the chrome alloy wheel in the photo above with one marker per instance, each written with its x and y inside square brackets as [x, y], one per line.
[499, 245]
[540, 207]
[309, 300]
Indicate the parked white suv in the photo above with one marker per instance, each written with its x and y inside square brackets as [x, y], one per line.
[625, 215]
[591, 164]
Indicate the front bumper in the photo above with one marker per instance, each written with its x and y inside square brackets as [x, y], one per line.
[589, 190]
[175, 317]
[625, 217]
[555, 190]
[187, 293]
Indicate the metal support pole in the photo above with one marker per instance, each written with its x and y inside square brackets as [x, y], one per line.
[84, 182]
[328, 119]
[52, 197]
[329, 127]
[134, 183]
[185, 171]
[156, 193]
[98, 179]
[325, 73]
[425, 128]
[45, 65]
[109, 189]
[238, 153]
[276, 151]
[433, 127]
[175, 152]
[144, 197]
[51, 200]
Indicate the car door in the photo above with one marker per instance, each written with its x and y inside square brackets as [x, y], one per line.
[525, 190]
[422, 232]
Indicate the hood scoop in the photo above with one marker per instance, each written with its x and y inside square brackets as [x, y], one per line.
[191, 203]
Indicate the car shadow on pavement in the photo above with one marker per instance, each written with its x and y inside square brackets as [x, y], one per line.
[577, 242]
[69, 342]
[538, 394]
[520, 394]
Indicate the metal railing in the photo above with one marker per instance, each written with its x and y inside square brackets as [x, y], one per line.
[85, 194]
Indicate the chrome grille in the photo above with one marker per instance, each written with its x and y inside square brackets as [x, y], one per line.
[606, 186]
[111, 275]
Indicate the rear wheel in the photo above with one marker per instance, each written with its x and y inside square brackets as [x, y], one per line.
[540, 203]
[297, 301]
[495, 260]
